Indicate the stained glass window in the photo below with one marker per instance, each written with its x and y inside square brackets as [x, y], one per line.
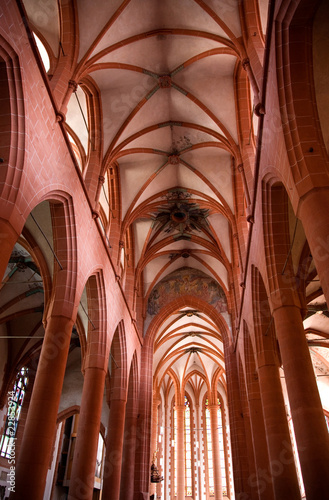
[15, 402]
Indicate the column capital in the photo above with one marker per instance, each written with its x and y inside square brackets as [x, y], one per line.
[73, 86]
[245, 63]
[285, 294]
[280, 306]
[90, 365]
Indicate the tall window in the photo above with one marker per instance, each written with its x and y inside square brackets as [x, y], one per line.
[221, 446]
[188, 450]
[15, 402]
[209, 449]
[174, 449]
[43, 53]
[209, 452]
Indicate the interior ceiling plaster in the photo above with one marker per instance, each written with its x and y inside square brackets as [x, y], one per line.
[165, 73]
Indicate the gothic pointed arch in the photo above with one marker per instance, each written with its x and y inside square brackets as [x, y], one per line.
[118, 364]
[130, 444]
[96, 341]
[301, 126]
[266, 347]
[12, 119]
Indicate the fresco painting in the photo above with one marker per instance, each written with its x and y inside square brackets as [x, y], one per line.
[187, 281]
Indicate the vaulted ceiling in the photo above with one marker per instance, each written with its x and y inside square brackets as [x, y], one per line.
[163, 79]
[155, 98]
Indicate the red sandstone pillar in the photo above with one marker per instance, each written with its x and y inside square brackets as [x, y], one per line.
[213, 409]
[248, 444]
[8, 238]
[40, 427]
[282, 472]
[85, 453]
[180, 471]
[114, 450]
[238, 438]
[314, 214]
[129, 447]
[142, 460]
[265, 490]
[305, 404]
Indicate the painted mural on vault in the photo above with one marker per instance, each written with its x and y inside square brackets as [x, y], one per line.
[186, 281]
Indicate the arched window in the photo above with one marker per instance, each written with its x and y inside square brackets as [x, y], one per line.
[43, 53]
[209, 455]
[174, 450]
[221, 447]
[188, 449]
[104, 198]
[209, 451]
[15, 402]
[76, 151]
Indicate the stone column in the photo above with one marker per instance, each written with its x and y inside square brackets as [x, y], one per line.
[180, 471]
[282, 472]
[8, 238]
[237, 431]
[85, 453]
[114, 450]
[129, 448]
[252, 483]
[314, 214]
[213, 410]
[265, 490]
[305, 404]
[142, 460]
[38, 439]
